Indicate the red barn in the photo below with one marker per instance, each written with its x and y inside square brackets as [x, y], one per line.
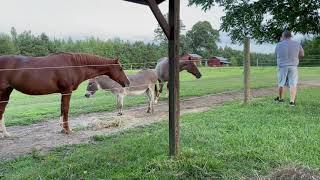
[216, 61]
[193, 57]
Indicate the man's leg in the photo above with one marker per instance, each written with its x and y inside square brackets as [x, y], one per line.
[281, 92]
[293, 93]
[293, 82]
[282, 80]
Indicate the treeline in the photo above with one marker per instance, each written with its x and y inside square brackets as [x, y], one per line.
[137, 54]
[132, 54]
[312, 52]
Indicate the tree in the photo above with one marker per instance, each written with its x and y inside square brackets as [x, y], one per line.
[312, 52]
[6, 45]
[265, 20]
[159, 35]
[30, 45]
[202, 38]
[13, 34]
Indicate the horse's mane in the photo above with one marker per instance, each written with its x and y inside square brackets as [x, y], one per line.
[85, 58]
[60, 53]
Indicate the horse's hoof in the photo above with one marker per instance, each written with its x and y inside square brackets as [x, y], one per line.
[6, 134]
[64, 131]
[120, 114]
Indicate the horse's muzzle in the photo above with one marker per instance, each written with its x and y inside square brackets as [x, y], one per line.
[126, 85]
[198, 76]
[87, 95]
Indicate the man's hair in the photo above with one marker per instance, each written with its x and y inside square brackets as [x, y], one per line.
[286, 34]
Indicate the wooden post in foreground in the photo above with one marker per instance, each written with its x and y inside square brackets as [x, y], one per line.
[171, 30]
[246, 70]
[174, 101]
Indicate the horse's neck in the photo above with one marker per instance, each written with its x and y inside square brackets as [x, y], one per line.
[95, 65]
[182, 65]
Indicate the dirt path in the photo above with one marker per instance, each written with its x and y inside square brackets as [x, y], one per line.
[46, 135]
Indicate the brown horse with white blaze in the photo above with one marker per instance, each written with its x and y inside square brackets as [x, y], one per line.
[57, 73]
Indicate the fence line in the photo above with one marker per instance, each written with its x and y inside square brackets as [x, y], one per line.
[272, 62]
[109, 90]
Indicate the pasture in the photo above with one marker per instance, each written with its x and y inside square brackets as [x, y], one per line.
[24, 110]
[229, 142]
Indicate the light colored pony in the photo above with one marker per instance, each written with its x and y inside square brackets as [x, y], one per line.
[144, 81]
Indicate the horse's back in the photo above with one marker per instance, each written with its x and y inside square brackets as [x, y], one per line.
[162, 69]
[142, 80]
[144, 76]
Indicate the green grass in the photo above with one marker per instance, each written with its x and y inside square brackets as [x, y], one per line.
[230, 142]
[23, 109]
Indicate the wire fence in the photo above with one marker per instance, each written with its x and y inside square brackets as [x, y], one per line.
[25, 103]
[151, 65]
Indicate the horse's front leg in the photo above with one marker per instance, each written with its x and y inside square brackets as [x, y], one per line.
[4, 98]
[150, 93]
[65, 104]
[167, 94]
[120, 104]
[158, 93]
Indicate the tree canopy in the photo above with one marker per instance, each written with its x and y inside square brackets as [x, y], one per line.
[132, 54]
[202, 39]
[265, 20]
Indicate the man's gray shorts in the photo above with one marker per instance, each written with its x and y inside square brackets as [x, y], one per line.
[288, 76]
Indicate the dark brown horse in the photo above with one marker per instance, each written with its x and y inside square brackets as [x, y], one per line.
[162, 69]
[56, 73]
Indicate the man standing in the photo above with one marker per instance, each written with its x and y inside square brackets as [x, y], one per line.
[288, 53]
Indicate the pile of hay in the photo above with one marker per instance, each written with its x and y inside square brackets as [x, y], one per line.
[293, 173]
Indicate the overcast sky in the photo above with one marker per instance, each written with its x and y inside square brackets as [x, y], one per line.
[101, 18]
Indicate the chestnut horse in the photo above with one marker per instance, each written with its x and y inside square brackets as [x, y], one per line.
[162, 69]
[56, 73]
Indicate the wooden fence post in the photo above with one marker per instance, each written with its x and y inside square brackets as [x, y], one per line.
[246, 70]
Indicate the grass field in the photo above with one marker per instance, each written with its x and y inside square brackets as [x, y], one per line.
[24, 110]
[230, 142]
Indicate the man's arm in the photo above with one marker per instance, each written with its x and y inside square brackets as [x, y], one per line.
[301, 53]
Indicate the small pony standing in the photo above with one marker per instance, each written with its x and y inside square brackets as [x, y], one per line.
[57, 73]
[144, 82]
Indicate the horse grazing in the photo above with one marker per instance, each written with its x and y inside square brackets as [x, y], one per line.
[56, 73]
[144, 81]
[162, 69]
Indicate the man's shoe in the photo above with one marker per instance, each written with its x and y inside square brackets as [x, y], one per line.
[292, 103]
[278, 99]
